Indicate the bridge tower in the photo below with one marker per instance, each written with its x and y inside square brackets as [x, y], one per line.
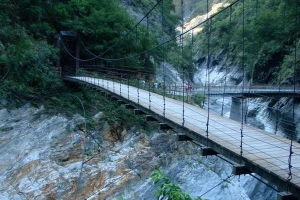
[68, 45]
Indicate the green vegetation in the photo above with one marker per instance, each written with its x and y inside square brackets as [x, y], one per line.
[28, 52]
[26, 65]
[67, 103]
[182, 57]
[167, 189]
[163, 17]
[27, 46]
[6, 128]
[271, 36]
[199, 99]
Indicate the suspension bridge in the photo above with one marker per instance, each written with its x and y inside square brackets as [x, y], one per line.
[251, 150]
[255, 91]
[258, 151]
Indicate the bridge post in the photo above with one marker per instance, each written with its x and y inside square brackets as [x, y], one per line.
[285, 196]
[182, 137]
[138, 112]
[120, 102]
[164, 126]
[65, 66]
[207, 151]
[128, 106]
[150, 118]
[240, 169]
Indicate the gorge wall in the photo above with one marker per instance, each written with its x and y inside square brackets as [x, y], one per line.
[51, 157]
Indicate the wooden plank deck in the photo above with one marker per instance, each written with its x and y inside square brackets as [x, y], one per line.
[263, 152]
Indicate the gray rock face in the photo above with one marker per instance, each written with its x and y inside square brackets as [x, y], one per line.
[3, 114]
[27, 169]
[51, 157]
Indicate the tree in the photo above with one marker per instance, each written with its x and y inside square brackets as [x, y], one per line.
[168, 190]
[261, 37]
[27, 43]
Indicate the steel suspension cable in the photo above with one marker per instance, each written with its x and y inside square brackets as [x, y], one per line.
[147, 65]
[231, 163]
[131, 56]
[138, 90]
[113, 68]
[253, 147]
[134, 55]
[207, 70]
[164, 66]
[227, 68]
[276, 121]
[224, 89]
[224, 180]
[265, 183]
[294, 80]
[83, 149]
[127, 34]
[128, 88]
[182, 67]
[243, 81]
[138, 79]
[191, 86]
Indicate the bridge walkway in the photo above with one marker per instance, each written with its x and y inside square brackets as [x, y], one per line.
[238, 91]
[263, 153]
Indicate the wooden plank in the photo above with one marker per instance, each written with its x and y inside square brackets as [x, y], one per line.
[267, 151]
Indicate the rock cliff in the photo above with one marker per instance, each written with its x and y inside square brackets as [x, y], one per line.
[52, 157]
